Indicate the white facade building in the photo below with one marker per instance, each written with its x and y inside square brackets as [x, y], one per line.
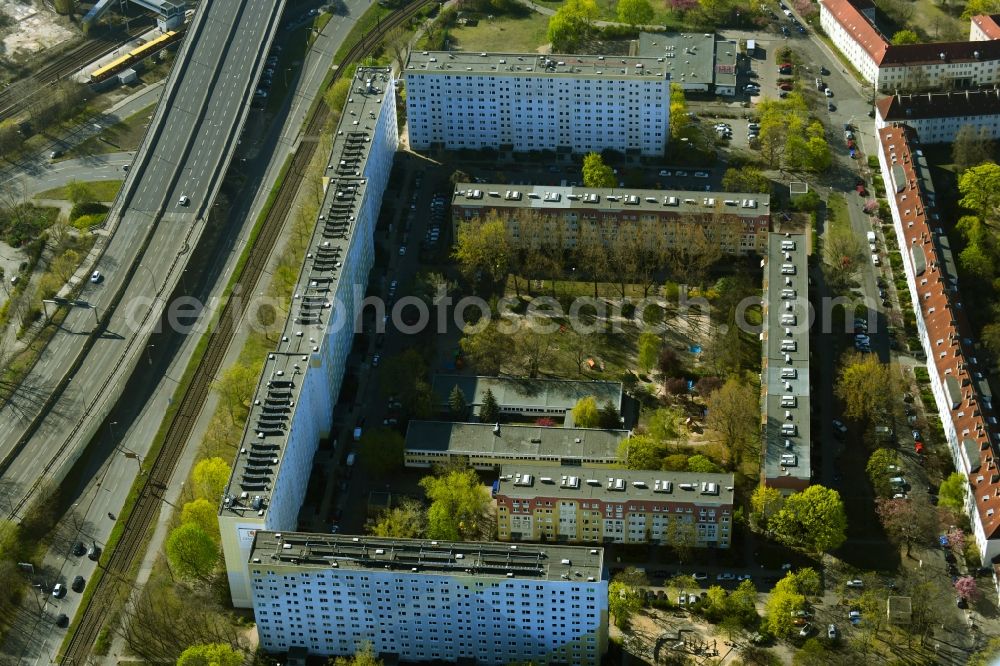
[419, 601]
[958, 381]
[293, 404]
[531, 102]
[851, 25]
[937, 117]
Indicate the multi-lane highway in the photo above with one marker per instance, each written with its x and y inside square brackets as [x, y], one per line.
[191, 138]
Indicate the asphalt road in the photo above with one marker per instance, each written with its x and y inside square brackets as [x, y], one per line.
[87, 520]
[182, 158]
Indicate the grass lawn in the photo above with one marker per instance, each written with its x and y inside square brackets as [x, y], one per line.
[104, 190]
[124, 135]
[940, 26]
[506, 34]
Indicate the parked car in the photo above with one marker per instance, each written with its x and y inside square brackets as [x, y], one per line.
[59, 591]
[725, 576]
[839, 427]
[854, 616]
[856, 583]
[807, 630]
[79, 550]
[831, 631]
[62, 621]
[78, 584]
[700, 575]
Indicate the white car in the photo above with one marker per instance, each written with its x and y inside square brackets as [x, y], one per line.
[725, 576]
[856, 583]
[664, 173]
[96, 277]
[402, 250]
[829, 93]
[831, 631]
[184, 200]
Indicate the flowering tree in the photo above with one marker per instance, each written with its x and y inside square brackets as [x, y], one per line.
[871, 206]
[906, 521]
[805, 8]
[545, 422]
[967, 588]
[956, 540]
[682, 5]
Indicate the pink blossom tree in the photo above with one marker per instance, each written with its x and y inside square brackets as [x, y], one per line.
[956, 540]
[545, 422]
[967, 588]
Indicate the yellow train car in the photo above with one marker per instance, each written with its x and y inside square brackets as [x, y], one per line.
[135, 55]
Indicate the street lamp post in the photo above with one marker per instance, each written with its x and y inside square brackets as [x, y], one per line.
[149, 355]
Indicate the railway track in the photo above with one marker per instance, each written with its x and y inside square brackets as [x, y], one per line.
[18, 96]
[107, 593]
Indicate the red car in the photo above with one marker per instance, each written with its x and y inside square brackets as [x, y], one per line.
[785, 86]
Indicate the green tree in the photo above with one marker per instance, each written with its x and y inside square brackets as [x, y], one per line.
[65, 7]
[624, 601]
[457, 402]
[596, 173]
[787, 597]
[702, 464]
[643, 452]
[745, 179]
[486, 349]
[364, 656]
[635, 12]
[675, 462]
[716, 604]
[987, 655]
[971, 147]
[482, 248]
[336, 95]
[381, 450]
[202, 513]
[211, 654]
[905, 37]
[609, 418]
[489, 411]
[764, 503]
[79, 193]
[734, 413]
[743, 603]
[649, 350]
[191, 552]
[406, 521]
[625, 595]
[812, 520]
[866, 387]
[882, 465]
[679, 119]
[980, 190]
[952, 491]
[210, 477]
[572, 25]
[773, 134]
[459, 505]
[236, 387]
[664, 423]
[818, 155]
[977, 7]
[585, 413]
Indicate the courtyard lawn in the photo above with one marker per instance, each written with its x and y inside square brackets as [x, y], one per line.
[504, 35]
